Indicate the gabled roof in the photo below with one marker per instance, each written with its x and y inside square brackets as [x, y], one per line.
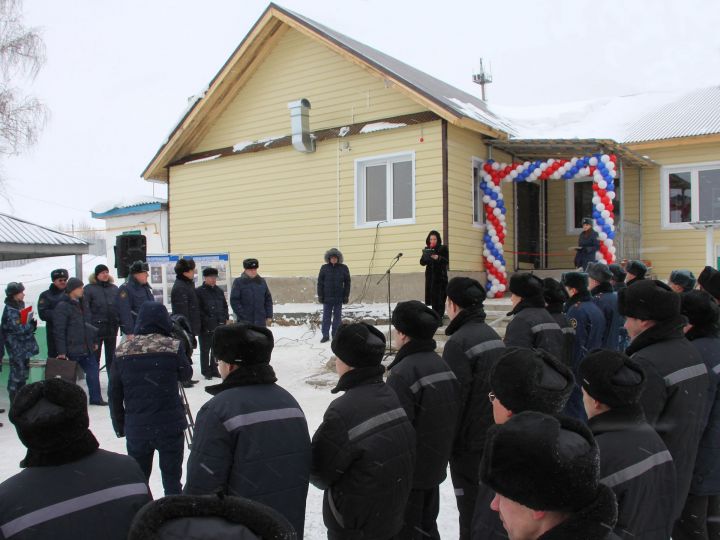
[452, 104]
[20, 239]
[128, 206]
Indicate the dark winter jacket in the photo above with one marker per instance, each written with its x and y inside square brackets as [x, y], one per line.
[533, 327]
[436, 277]
[74, 335]
[568, 334]
[636, 464]
[430, 394]
[19, 338]
[589, 244]
[213, 307]
[252, 440]
[363, 456]
[132, 295]
[251, 300]
[94, 496]
[334, 280]
[470, 352]
[100, 300]
[47, 302]
[706, 476]
[590, 523]
[144, 398]
[607, 300]
[674, 397]
[184, 301]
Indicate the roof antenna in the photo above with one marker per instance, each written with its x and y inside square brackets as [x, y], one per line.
[483, 77]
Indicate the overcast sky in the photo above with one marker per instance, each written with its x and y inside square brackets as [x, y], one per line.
[118, 74]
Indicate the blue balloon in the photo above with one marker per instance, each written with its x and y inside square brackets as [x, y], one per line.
[493, 196]
[611, 234]
[600, 221]
[596, 214]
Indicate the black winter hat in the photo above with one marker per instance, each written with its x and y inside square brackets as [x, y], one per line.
[72, 284]
[587, 221]
[210, 271]
[415, 319]
[359, 345]
[101, 268]
[700, 308]
[599, 272]
[466, 292]
[683, 278]
[59, 273]
[531, 380]
[250, 263]
[184, 265]
[138, 267]
[709, 280]
[636, 268]
[554, 292]
[51, 420]
[243, 343]
[13, 288]
[575, 280]
[612, 378]
[222, 518]
[526, 285]
[649, 300]
[543, 462]
[618, 273]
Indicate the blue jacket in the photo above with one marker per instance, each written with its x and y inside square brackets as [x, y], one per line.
[132, 295]
[251, 300]
[144, 398]
[589, 245]
[334, 280]
[19, 338]
[73, 333]
[606, 299]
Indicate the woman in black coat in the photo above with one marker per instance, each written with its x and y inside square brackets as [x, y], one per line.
[588, 245]
[436, 259]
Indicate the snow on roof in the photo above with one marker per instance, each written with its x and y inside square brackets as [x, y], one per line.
[126, 202]
[19, 231]
[380, 126]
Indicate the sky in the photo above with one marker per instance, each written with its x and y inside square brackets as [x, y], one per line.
[118, 74]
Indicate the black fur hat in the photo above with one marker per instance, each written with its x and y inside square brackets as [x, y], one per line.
[222, 518]
[250, 263]
[554, 292]
[51, 419]
[210, 271]
[636, 268]
[243, 343]
[526, 285]
[59, 273]
[575, 280]
[709, 280]
[184, 265]
[618, 273]
[612, 378]
[599, 272]
[650, 300]
[359, 345]
[531, 380]
[700, 308]
[139, 267]
[542, 462]
[683, 278]
[466, 292]
[415, 319]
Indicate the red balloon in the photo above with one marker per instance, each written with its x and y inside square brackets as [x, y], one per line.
[602, 193]
[595, 187]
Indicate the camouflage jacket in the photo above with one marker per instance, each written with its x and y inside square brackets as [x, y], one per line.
[19, 338]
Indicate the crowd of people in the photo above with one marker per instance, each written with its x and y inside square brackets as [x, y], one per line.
[596, 416]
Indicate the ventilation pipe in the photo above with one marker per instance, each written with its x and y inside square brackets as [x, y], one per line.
[300, 123]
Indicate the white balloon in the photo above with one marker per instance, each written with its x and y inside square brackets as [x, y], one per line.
[596, 200]
[492, 203]
[573, 160]
[496, 263]
[501, 288]
[605, 214]
[513, 174]
[610, 165]
[550, 161]
[593, 161]
[610, 221]
[497, 212]
[495, 166]
[608, 242]
[605, 159]
[602, 184]
[603, 236]
[611, 195]
[612, 249]
[526, 164]
[543, 166]
[600, 207]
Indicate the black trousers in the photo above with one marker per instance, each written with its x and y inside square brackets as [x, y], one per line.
[421, 514]
[208, 364]
[465, 474]
[50, 337]
[700, 518]
[109, 341]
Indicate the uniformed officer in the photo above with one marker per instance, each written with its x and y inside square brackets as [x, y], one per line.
[47, 302]
[133, 294]
[599, 277]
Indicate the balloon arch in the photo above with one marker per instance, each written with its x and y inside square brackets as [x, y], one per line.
[602, 169]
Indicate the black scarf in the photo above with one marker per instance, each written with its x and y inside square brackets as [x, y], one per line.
[82, 446]
[707, 330]
[466, 315]
[245, 375]
[662, 331]
[529, 302]
[412, 347]
[582, 296]
[358, 377]
[602, 288]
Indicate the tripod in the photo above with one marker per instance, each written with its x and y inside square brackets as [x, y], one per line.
[190, 430]
[387, 275]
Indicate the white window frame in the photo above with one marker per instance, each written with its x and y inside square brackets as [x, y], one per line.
[694, 170]
[570, 204]
[476, 162]
[388, 160]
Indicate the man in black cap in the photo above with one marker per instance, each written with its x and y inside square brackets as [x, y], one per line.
[709, 280]
[521, 380]
[213, 313]
[619, 275]
[555, 297]
[636, 271]
[634, 461]
[133, 294]
[676, 378]
[250, 296]
[47, 302]
[544, 470]
[605, 298]
[682, 281]
[251, 439]
[701, 515]
[100, 300]
[363, 453]
[470, 352]
[430, 394]
[532, 326]
[69, 489]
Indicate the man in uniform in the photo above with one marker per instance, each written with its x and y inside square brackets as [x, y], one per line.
[133, 294]
[46, 305]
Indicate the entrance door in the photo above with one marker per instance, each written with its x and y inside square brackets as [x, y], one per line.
[528, 220]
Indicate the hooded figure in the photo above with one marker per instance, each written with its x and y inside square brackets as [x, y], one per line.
[436, 260]
[333, 290]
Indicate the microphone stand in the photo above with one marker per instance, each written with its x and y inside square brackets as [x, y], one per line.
[387, 274]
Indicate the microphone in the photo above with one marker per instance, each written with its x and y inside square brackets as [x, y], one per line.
[398, 256]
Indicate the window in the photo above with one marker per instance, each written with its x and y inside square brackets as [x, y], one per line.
[579, 195]
[690, 193]
[385, 190]
[477, 193]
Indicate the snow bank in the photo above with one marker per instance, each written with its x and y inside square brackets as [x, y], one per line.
[380, 126]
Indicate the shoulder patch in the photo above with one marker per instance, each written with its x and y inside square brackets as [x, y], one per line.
[573, 323]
